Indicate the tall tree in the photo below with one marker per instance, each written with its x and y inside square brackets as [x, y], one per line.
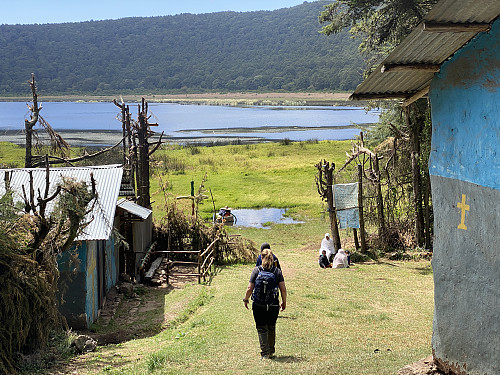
[380, 24]
[58, 146]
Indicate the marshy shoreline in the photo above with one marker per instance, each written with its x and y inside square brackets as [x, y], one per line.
[205, 136]
[213, 137]
[226, 99]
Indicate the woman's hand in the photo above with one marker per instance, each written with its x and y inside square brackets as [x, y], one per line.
[248, 294]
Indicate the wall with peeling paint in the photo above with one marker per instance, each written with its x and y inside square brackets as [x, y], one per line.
[72, 266]
[465, 176]
[88, 271]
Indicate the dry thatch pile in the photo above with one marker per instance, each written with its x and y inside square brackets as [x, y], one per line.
[179, 226]
[29, 245]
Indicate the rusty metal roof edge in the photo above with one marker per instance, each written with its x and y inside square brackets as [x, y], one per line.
[365, 90]
[404, 95]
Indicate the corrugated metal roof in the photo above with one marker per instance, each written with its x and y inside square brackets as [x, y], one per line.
[134, 209]
[108, 179]
[427, 47]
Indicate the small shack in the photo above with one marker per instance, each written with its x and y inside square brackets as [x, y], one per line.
[453, 58]
[136, 226]
[90, 268]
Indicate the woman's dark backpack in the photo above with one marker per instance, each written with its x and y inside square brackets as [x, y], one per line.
[265, 290]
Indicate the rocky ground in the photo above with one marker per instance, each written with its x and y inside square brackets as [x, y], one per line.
[425, 366]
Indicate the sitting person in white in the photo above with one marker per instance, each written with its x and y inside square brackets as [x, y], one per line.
[327, 245]
[340, 260]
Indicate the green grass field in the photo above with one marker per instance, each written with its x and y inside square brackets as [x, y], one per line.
[11, 155]
[369, 319]
[277, 175]
[373, 318]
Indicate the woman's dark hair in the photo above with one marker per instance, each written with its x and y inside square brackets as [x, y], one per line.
[265, 245]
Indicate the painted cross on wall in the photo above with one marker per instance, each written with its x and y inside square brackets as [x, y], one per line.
[464, 207]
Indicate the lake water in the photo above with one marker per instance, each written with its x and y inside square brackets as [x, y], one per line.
[257, 218]
[186, 123]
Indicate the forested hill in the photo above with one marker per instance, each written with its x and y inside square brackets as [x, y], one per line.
[225, 51]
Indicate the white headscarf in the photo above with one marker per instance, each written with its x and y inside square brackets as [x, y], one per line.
[327, 245]
[340, 260]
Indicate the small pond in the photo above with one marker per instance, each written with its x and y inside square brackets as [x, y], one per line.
[255, 218]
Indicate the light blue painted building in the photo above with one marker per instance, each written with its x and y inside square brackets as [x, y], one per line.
[465, 177]
[453, 58]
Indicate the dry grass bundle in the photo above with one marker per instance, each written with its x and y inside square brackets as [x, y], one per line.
[29, 244]
[25, 288]
[175, 227]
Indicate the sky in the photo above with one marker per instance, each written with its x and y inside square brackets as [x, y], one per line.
[60, 11]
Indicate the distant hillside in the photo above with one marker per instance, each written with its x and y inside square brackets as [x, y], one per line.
[225, 51]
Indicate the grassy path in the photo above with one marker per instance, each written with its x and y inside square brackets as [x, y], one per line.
[369, 319]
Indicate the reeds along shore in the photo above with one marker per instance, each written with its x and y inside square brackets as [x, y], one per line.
[239, 98]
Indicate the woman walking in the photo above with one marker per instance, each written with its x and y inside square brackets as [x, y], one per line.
[266, 282]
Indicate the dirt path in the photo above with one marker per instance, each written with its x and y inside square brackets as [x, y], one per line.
[141, 314]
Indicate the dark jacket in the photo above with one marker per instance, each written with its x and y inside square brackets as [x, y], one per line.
[323, 261]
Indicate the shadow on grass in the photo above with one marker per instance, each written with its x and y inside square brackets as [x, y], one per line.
[425, 270]
[131, 318]
[288, 359]
[287, 317]
[377, 263]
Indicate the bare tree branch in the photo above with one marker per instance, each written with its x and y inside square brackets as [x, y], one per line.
[57, 160]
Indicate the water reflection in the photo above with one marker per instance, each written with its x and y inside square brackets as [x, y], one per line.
[255, 218]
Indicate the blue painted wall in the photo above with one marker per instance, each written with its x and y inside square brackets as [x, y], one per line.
[465, 178]
[112, 263]
[81, 287]
[465, 100]
[72, 285]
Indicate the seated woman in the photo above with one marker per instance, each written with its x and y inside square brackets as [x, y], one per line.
[323, 260]
[340, 260]
[327, 245]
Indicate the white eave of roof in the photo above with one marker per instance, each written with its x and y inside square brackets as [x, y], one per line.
[134, 208]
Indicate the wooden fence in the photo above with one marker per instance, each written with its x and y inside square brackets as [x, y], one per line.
[202, 267]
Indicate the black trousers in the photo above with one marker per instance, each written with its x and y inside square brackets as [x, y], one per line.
[265, 321]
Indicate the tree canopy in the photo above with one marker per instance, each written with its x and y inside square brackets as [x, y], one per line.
[381, 24]
[279, 50]
[403, 134]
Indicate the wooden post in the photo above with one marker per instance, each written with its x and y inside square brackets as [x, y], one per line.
[143, 177]
[332, 213]
[356, 242]
[124, 134]
[382, 231]
[29, 124]
[199, 267]
[324, 183]
[416, 179]
[168, 267]
[192, 195]
[360, 204]
[169, 248]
